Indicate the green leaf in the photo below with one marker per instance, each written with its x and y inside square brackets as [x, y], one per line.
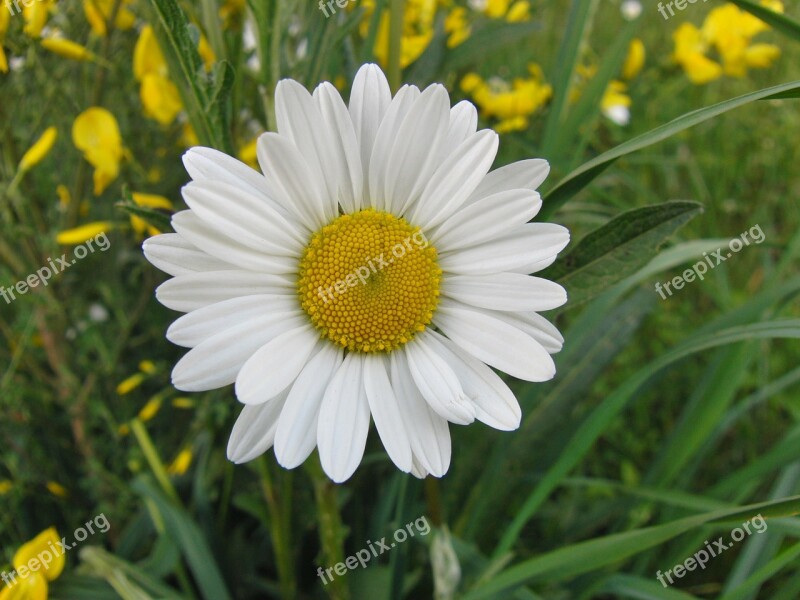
[194, 548]
[632, 586]
[586, 173]
[778, 21]
[588, 556]
[159, 219]
[618, 249]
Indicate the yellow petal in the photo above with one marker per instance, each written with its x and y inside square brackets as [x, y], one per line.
[181, 463]
[73, 237]
[39, 150]
[96, 133]
[247, 154]
[5, 487]
[3, 60]
[130, 384]
[150, 409]
[32, 587]
[64, 197]
[35, 16]
[206, 53]
[67, 49]
[160, 98]
[148, 366]
[57, 489]
[147, 55]
[152, 201]
[635, 59]
[44, 544]
[183, 403]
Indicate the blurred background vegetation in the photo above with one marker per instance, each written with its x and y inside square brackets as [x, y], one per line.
[662, 410]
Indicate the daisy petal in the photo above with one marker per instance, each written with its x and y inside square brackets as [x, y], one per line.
[275, 365]
[174, 255]
[254, 431]
[505, 291]
[494, 341]
[199, 325]
[384, 143]
[282, 162]
[346, 154]
[386, 412]
[369, 101]
[296, 436]
[463, 123]
[344, 420]
[528, 244]
[437, 382]
[535, 325]
[189, 292]
[494, 402]
[487, 219]
[216, 362]
[415, 151]
[215, 243]
[245, 217]
[455, 179]
[427, 431]
[528, 174]
[300, 121]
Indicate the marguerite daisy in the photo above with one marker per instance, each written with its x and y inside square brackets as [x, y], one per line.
[376, 268]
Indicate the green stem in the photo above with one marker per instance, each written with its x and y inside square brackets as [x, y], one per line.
[279, 529]
[331, 531]
[395, 43]
[153, 459]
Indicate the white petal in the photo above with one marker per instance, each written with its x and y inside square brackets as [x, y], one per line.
[528, 174]
[216, 362]
[176, 256]
[275, 365]
[195, 290]
[530, 243]
[505, 291]
[437, 382]
[428, 432]
[300, 121]
[535, 325]
[203, 323]
[346, 154]
[455, 179]
[494, 341]
[385, 410]
[244, 217]
[369, 100]
[463, 123]
[384, 143]
[282, 162]
[207, 164]
[254, 431]
[495, 404]
[487, 219]
[415, 152]
[344, 420]
[297, 427]
[212, 241]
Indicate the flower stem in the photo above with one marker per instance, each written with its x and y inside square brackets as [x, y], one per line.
[279, 515]
[331, 532]
[153, 459]
[395, 43]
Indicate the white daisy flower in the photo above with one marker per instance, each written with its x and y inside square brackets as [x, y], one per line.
[377, 268]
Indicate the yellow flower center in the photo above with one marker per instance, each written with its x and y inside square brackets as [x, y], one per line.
[369, 281]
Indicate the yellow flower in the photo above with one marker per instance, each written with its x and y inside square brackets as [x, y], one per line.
[78, 235]
[95, 132]
[181, 463]
[183, 403]
[159, 96]
[510, 103]
[140, 226]
[35, 15]
[206, 52]
[520, 11]
[98, 12]
[457, 27]
[690, 49]
[150, 409]
[616, 103]
[148, 366]
[57, 489]
[39, 150]
[247, 153]
[131, 383]
[513, 12]
[189, 137]
[67, 49]
[41, 562]
[64, 197]
[4, 17]
[5, 487]
[418, 30]
[634, 61]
